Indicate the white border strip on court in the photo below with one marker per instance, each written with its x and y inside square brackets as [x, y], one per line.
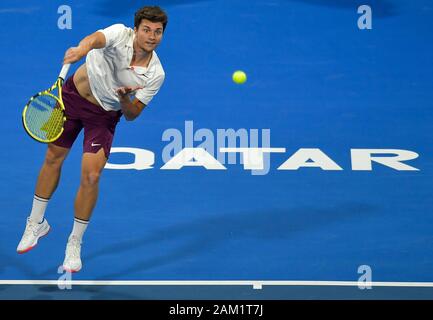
[257, 284]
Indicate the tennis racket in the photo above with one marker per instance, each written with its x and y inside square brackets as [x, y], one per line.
[44, 114]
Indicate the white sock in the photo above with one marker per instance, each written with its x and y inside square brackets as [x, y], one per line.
[80, 227]
[38, 209]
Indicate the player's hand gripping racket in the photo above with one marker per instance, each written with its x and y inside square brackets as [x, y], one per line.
[44, 114]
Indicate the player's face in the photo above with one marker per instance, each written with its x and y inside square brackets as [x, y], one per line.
[148, 35]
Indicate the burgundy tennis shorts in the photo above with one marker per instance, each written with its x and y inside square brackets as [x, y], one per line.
[99, 125]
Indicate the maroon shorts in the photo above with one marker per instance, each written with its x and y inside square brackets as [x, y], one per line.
[99, 125]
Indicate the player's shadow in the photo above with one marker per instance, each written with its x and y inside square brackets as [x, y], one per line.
[87, 292]
[204, 234]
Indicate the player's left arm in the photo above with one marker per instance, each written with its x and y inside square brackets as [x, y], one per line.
[130, 109]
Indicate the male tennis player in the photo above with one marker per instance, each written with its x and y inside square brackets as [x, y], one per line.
[121, 75]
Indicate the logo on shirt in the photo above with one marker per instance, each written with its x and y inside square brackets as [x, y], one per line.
[136, 71]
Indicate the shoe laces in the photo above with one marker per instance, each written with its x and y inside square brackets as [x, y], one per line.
[74, 247]
[32, 228]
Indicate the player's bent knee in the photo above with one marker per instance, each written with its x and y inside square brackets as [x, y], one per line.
[54, 160]
[55, 156]
[90, 179]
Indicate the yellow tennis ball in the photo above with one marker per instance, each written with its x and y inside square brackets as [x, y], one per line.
[239, 77]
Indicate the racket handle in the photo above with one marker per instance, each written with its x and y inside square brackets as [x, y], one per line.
[64, 71]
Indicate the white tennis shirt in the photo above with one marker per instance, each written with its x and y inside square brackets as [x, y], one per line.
[109, 68]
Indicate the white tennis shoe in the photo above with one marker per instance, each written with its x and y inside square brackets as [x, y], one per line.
[72, 262]
[31, 235]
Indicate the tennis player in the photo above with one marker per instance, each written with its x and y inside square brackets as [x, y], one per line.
[121, 75]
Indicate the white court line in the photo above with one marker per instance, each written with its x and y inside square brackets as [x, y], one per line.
[257, 284]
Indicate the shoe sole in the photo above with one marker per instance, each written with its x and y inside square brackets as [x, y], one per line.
[70, 270]
[30, 248]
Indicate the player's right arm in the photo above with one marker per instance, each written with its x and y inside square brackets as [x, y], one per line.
[94, 41]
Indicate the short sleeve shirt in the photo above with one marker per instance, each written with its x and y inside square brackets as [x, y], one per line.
[109, 68]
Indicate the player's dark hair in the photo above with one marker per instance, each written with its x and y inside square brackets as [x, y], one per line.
[153, 14]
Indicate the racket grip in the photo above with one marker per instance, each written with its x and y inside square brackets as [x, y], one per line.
[64, 71]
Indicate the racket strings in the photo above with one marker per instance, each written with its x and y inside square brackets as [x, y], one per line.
[44, 117]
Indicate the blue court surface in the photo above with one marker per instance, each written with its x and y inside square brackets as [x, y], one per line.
[350, 111]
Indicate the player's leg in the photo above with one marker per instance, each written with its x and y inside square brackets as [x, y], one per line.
[92, 166]
[37, 226]
[98, 137]
[49, 175]
[91, 169]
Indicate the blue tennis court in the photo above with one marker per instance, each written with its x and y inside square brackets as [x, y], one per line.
[344, 195]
